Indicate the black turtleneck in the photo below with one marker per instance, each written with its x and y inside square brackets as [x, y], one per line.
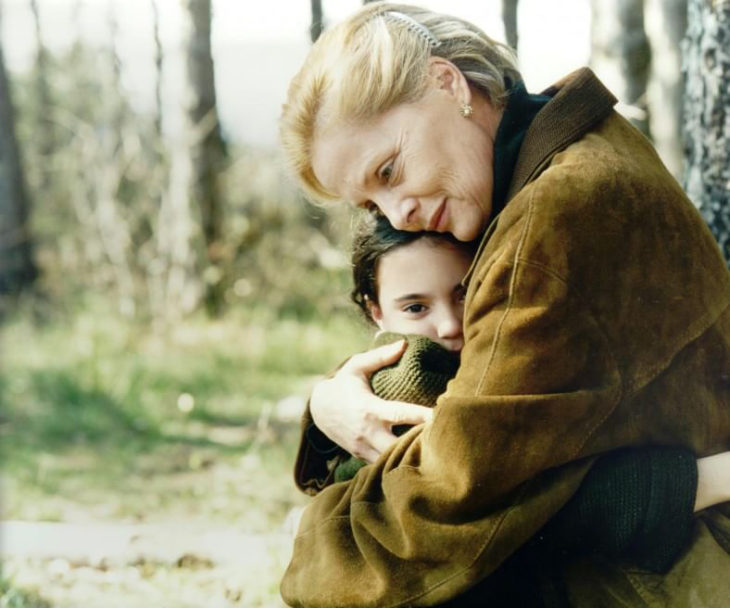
[521, 109]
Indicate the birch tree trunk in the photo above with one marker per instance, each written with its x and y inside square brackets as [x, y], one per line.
[175, 271]
[620, 54]
[315, 29]
[666, 24]
[17, 268]
[509, 18]
[207, 149]
[46, 132]
[706, 52]
[158, 65]
[112, 226]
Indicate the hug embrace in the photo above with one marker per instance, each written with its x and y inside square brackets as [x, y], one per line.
[593, 339]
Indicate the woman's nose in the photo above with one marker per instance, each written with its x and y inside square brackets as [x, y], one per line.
[401, 212]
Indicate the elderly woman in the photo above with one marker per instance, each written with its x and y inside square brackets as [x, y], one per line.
[597, 317]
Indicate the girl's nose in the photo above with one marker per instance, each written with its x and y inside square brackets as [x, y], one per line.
[449, 325]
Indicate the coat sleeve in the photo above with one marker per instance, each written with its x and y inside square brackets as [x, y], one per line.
[451, 500]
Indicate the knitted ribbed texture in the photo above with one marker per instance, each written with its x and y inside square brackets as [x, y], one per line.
[419, 377]
[636, 505]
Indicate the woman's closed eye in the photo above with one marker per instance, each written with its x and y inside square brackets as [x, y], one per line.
[385, 173]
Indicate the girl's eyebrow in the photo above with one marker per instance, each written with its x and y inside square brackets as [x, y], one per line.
[411, 296]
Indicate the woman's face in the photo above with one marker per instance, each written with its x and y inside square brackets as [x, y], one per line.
[420, 292]
[422, 164]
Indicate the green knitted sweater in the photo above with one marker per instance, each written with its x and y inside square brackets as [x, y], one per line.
[419, 377]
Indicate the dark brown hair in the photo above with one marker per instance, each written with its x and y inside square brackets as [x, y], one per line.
[374, 237]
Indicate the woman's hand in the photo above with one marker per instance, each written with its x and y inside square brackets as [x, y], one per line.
[345, 409]
[713, 480]
[292, 521]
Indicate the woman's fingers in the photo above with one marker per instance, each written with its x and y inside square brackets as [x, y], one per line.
[399, 412]
[346, 410]
[372, 360]
[384, 415]
[713, 480]
[380, 440]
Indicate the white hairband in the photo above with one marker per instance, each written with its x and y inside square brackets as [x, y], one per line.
[414, 26]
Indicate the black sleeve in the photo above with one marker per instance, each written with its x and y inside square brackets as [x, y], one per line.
[319, 442]
[635, 504]
[317, 458]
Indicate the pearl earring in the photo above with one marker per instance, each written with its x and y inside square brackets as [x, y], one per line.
[466, 110]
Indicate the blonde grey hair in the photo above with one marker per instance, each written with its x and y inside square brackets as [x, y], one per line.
[372, 62]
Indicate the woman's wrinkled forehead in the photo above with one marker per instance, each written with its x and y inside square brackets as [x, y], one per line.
[343, 151]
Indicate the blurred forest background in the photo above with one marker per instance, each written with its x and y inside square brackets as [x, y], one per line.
[167, 298]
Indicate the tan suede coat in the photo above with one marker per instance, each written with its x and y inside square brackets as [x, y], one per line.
[597, 316]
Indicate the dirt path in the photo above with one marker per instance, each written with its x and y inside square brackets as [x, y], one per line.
[128, 565]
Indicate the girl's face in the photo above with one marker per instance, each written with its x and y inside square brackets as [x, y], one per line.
[420, 291]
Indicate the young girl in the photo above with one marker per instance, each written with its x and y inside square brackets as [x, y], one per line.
[411, 283]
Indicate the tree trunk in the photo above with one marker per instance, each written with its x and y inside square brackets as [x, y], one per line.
[17, 268]
[315, 29]
[620, 54]
[175, 229]
[666, 24]
[158, 66]
[46, 132]
[509, 18]
[706, 52]
[207, 149]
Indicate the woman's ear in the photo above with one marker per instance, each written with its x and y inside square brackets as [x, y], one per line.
[447, 77]
[376, 314]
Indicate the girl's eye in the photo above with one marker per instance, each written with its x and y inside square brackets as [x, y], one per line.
[415, 309]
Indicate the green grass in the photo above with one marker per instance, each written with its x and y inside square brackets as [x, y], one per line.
[11, 597]
[92, 416]
[92, 429]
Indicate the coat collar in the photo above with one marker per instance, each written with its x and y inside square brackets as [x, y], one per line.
[518, 115]
[578, 103]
